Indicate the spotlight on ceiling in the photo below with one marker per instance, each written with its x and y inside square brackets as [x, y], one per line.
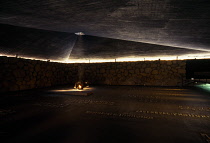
[80, 33]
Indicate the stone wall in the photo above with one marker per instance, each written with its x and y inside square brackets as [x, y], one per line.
[20, 74]
[149, 73]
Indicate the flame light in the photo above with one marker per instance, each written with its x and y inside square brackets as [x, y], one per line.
[80, 87]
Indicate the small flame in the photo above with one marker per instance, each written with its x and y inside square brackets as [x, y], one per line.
[79, 86]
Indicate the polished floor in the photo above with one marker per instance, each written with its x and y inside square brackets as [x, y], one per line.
[111, 114]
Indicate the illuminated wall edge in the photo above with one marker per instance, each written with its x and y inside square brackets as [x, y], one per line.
[122, 59]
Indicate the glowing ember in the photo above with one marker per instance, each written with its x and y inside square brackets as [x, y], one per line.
[79, 87]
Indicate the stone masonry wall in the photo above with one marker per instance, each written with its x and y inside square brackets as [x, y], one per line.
[20, 74]
[149, 73]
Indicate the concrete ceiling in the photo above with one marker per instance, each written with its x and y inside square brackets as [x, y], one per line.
[68, 47]
[105, 49]
[178, 23]
[35, 44]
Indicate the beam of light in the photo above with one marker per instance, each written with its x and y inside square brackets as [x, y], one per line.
[72, 47]
[161, 43]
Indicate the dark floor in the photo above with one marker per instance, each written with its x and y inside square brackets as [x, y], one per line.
[112, 114]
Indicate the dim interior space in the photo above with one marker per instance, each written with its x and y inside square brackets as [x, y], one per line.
[108, 114]
[101, 71]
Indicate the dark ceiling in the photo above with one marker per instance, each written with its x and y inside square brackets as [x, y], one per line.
[35, 43]
[61, 46]
[177, 23]
[95, 48]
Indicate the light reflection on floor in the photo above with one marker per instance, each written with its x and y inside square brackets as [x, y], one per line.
[111, 114]
[73, 89]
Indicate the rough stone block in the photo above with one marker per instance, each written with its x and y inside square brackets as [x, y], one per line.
[155, 72]
[131, 71]
[136, 71]
[169, 62]
[182, 71]
[148, 70]
[158, 77]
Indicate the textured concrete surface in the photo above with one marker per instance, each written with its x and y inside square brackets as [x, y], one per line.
[90, 48]
[166, 22]
[64, 47]
[112, 114]
[35, 43]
